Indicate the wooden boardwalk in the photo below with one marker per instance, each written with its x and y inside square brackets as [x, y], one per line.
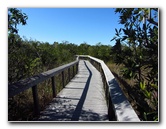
[83, 98]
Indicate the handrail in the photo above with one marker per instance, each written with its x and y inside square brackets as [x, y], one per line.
[32, 82]
[20, 86]
[119, 107]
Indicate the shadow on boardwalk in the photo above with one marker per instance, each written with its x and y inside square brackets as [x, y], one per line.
[69, 112]
[78, 109]
[71, 109]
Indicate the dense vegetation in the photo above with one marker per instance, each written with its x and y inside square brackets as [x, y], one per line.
[135, 53]
[136, 50]
[27, 58]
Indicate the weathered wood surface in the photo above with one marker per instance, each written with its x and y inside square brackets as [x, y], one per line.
[83, 99]
[16, 88]
[121, 106]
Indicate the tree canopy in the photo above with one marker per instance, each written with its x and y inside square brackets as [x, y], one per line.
[137, 49]
[15, 17]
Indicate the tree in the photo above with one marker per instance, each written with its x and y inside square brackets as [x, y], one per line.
[15, 17]
[16, 49]
[140, 35]
[83, 48]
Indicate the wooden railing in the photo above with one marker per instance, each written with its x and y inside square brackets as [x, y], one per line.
[119, 108]
[32, 82]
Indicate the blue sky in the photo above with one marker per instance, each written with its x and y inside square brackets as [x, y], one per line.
[76, 25]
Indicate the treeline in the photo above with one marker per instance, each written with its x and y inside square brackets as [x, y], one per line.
[30, 57]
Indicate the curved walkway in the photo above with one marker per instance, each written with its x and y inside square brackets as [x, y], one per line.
[82, 99]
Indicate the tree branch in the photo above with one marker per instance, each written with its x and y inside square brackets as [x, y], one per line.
[153, 22]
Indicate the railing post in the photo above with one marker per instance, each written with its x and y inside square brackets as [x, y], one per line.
[53, 86]
[73, 70]
[107, 93]
[77, 68]
[35, 100]
[69, 74]
[111, 113]
[63, 79]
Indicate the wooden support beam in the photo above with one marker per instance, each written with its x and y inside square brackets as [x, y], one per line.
[35, 100]
[77, 68]
[73, 71]
[53, 87]
[69, 77]
[63, 79]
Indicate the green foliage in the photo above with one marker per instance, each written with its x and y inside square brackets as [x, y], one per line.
[151, 97]
[137, 49]
[22, 59]
[15, 17]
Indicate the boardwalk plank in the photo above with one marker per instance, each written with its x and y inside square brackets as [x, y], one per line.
[82, 99]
